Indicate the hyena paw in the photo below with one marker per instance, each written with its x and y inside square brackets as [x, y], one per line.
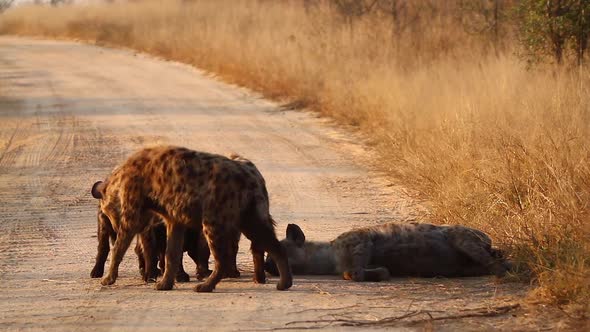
[97, 272]
[284, 284]
[202, 274]
[183, 277]
[108, 280]
[150, 278]
[164, 285]
[260, 279]
[203, 288]
[234, 273]
[153, 276]
[357, 276]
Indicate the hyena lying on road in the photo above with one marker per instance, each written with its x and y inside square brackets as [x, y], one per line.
[151, 248]
[397, 249]
[190, 189]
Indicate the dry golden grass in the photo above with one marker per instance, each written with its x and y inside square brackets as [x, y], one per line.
[487, 142]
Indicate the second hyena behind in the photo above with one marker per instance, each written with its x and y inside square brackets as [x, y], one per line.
[191, 189]
[151, 249]
[396, 249]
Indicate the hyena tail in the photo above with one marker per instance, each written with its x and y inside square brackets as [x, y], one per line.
[258, 226]
[256, 216]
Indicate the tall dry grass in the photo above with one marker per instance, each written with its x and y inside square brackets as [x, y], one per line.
[487, 142]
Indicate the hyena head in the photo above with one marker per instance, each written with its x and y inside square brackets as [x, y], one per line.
[293, 245]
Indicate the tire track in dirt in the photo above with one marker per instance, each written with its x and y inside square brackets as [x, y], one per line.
[8, 144]
[40, 153]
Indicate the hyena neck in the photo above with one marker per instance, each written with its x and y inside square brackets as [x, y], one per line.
[320, 258]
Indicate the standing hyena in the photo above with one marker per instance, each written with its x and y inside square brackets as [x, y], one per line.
[396, 249]
[191, 189]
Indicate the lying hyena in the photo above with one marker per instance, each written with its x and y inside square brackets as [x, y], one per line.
[150, 248]
[191, 189]
[397, 249]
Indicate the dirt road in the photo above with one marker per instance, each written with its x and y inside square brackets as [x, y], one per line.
[70, 112]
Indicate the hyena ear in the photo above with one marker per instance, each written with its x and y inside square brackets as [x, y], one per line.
[295, 234]
[98, 190]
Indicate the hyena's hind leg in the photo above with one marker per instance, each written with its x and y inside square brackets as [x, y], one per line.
[200, 253]
[353, 258]
[477, 246]
[223, 242]
[181, 275]
[232, 269]
[174, 242]
[257, 246]
[261, 233]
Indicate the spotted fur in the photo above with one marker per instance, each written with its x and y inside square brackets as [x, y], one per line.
[219, 196]
[396, 249]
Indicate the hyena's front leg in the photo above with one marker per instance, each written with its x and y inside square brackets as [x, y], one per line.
[353, 259]
[377, 274]
[105, 231]
[203, 255]
[232, 269]
[181, 275]
[149, 255]
[140, 259]
[198, 251]
[175, 239]
[122, 243]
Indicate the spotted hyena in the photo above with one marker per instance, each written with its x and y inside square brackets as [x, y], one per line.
[188, 189]
[150, 249]
[397, 249]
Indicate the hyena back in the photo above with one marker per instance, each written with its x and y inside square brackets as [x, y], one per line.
[397, 249]
[190, 189]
